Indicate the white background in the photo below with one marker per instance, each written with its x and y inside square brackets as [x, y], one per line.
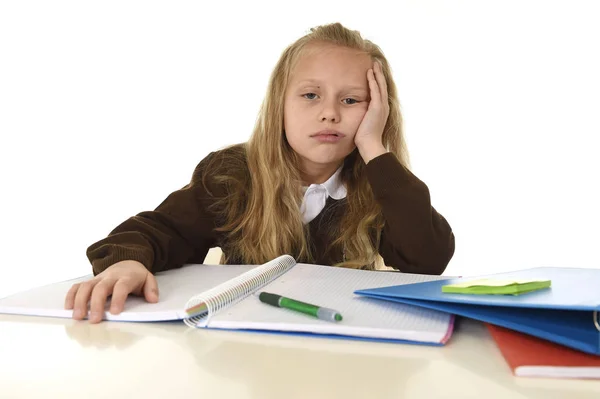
[106, 107]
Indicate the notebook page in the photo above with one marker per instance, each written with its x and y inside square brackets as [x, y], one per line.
[334, 288]
[175, 288]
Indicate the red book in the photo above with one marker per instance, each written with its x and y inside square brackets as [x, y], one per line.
[530, 356]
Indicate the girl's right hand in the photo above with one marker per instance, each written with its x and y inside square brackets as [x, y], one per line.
[120, 280]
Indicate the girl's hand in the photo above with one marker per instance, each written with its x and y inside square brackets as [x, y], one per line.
[121, 279]
[369, 133]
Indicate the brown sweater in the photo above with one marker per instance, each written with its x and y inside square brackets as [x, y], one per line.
[181, 230]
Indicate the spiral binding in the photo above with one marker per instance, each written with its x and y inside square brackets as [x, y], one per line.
[231, 292]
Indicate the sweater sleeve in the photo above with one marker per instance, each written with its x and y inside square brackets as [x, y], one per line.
[179, 229]
[415, 237]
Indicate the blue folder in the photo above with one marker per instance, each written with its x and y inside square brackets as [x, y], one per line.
[565, 313]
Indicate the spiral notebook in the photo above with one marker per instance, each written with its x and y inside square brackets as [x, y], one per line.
[230, 295]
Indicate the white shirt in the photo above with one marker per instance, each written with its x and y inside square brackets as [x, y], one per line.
[316, 195]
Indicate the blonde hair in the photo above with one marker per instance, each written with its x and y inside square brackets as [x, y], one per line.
[261, 214]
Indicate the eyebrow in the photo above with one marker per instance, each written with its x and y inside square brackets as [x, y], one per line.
[318, 82]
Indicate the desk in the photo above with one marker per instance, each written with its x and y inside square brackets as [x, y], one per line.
[62, 358]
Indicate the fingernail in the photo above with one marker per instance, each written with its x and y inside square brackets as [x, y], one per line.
[95, 316]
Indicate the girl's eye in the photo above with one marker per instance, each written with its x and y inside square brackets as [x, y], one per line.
[312, 96]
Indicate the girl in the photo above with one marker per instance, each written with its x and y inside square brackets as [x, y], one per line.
[323, 177]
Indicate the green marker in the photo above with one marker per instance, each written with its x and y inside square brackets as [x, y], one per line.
[303, 307]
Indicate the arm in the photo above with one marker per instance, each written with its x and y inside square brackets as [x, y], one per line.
[177, 230]
[415, 238]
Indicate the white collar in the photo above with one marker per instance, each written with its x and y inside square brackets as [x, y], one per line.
[316, 195]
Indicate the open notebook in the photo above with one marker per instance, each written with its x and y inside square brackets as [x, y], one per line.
[231, 293]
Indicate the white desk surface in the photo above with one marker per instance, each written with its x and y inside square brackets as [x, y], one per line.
[62, 358]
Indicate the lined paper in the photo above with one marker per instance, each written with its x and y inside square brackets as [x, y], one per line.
[175, 288]
[334, 288]
[322, 285]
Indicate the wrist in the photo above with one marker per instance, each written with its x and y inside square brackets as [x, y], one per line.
[371, 151]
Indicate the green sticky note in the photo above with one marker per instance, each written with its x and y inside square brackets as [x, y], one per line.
[491, 286]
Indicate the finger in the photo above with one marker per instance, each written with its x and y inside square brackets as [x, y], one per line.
[70, 298]
[382, 82]
[375, 95]
[98, 299]
[151, 289]
[80, 306]
[122, 289]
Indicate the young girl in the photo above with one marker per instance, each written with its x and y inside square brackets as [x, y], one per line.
[324, 177]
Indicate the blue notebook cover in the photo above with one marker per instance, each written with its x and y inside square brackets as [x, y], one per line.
[565, 313]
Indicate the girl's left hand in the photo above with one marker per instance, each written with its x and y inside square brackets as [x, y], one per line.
[369, 133]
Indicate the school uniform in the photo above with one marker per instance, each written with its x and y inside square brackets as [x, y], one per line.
[181, 230]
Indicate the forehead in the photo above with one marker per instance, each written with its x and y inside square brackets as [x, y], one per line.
[330, 63]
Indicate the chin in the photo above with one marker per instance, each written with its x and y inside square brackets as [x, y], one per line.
[326, 157]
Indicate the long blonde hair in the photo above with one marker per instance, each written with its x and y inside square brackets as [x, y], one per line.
[261, 213]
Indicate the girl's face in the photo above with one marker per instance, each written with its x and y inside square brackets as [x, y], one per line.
[328, 91]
